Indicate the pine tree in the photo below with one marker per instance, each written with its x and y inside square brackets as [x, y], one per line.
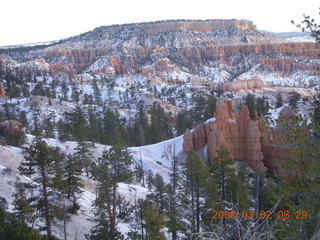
[159, 190]
[293, 100]
[279, 101]
[72, 179]
[75, 96]
[64, 90]
[137, 226]
[94, 126]
[301, 189]
[111, 168]
[11, 228]
[183, 122]
[154, 222]
[23, 210]
[173, 211]
[39, 164]
[250, 102]
[221, 168]
[160, 128]
[149, 180]
[85, 156]
[97, 93]
[195, 174]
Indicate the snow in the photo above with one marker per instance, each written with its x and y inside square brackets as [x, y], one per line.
[158, 157]
[210, 120]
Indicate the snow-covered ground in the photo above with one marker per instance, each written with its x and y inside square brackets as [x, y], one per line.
[156, 158]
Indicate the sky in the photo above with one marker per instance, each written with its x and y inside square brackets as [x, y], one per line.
[29, 21]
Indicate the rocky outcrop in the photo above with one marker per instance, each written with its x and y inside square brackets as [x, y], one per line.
[11, 133]
[77, 59]
[2, 91]
[239, 85]
[245, 139]
[201, 54]
[236, 132]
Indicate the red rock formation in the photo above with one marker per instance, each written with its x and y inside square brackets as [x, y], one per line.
[57, 68]
[188, 144]
[245, 85]
[244, 138]
[236, 132]
[2, 91]
[78, 58]
[201, 54]
[116, 64]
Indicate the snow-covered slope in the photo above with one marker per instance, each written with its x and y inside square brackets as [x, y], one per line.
[156, 158]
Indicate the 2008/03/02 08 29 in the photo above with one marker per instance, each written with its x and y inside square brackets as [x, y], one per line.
[250, 214]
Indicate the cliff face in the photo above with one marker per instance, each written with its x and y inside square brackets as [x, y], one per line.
[245, 85]
[242, 137]
[236, 132]
[283, 60]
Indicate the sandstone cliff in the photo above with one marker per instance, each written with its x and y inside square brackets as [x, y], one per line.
[236, 132]
[245, 139]
[245, 85]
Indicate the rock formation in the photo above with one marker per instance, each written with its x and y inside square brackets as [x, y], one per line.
[242, 137]
[2, 91]
[236, 132]
[245, 85]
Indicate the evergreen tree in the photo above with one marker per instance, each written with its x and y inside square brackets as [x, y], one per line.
[39, 165]
[111, 121]
[23, 210]
[72, 179]
[75, 96]
[111, 168]
[279, 101]
[184, 121]
[160, 128]
[174, 210]
[137, 226]
[11, 228]
[154, 222]
[250, 102]
[195, 174]
[64, 90]
[301, 189]
[94, 126]
[262, 106]
[84, 154]
[149, 180]
[221, 168]
[159, 190]
[293, 100]
[96, 92]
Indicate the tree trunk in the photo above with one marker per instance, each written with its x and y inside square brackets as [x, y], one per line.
[257, 192]
[108, 205]
[113, 218]
[46, 204]
[222, 181]
[198, 209]
[192, 208]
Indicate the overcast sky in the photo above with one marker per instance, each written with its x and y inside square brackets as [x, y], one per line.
[27, 21]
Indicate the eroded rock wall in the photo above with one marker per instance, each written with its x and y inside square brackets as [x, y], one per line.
[244, 138]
